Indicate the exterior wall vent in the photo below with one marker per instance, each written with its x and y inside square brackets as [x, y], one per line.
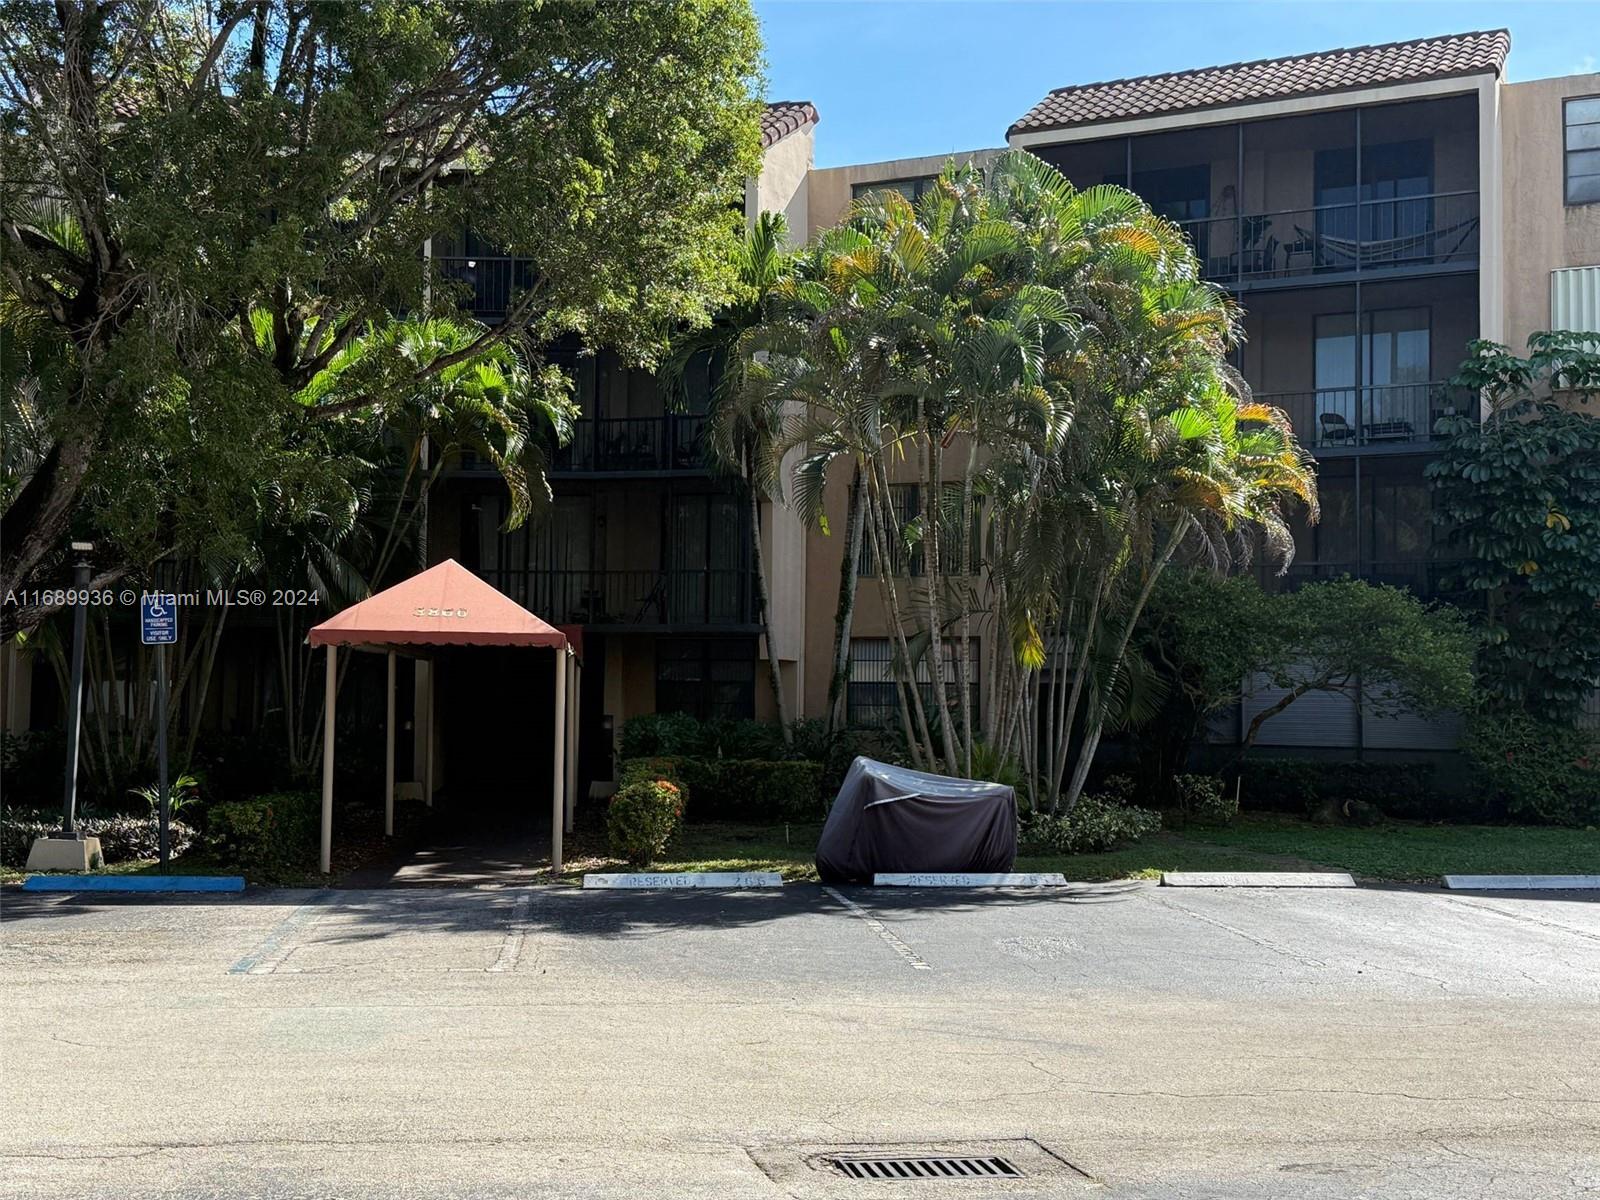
[1575, 299]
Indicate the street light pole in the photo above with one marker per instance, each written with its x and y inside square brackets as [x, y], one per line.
[80, 616]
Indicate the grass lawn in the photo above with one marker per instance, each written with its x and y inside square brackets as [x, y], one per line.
[1398, 852]
[714, 846]
[1415, 852]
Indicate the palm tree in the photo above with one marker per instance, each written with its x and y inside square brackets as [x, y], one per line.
[744, 423]
[1066, 337]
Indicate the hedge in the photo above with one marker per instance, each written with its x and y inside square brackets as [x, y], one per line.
[277, 830]
[736, 789]
[1404, 790]
[121, 838]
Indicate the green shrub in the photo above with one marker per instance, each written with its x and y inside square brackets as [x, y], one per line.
[643, 770]
[1404, 790]
[121, 838]
[1204, 801]
[31, 764]
[1099, 821]
[656, 735]
[642, 819]
[678, 735]
[746, 739]
[755, 790]
[1546, 771]
[737, 789]
[266, 833]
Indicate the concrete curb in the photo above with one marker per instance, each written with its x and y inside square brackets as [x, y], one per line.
[1258, 879]
[687, 879]
[133, 883]
[974, 880]
[1521, 883]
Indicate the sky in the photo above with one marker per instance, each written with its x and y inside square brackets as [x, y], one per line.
[906, 78]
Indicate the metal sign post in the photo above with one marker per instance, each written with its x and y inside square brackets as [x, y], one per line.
[158, 627]
[80, 578]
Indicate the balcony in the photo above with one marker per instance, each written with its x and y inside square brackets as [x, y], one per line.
[636, 445]
[492, 282]
[1394, 416]
[673, 598]
[1337, 242]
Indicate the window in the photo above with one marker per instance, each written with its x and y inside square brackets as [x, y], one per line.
[906, 499]
[706, 677]
[1393, 401]
[708, 553]
[1177, 193]
[871, 696]
[911, 189]
[1583, 150]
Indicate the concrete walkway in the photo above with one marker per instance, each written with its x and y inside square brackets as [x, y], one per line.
[505, 852]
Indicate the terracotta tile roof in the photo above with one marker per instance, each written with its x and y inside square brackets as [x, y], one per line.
[783, 117]
[1270, 79]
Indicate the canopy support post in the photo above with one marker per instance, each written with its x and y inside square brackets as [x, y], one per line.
[571, 787]
[388, 754]
[558, 773]
[427, 748]
[330, 698]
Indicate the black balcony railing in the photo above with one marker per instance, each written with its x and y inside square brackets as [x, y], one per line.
[620, 444]
[710, 597]
[491, 282]
[1387, 415]
[1335, 239]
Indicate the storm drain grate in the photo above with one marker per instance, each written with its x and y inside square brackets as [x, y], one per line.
[991, 1167]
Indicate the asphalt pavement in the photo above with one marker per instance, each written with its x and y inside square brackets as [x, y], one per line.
[1121, 1040]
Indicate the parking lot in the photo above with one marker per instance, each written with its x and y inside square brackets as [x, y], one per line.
[498, 1042]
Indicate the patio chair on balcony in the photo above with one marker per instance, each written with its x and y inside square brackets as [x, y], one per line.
[1334, 430]
[656, 598]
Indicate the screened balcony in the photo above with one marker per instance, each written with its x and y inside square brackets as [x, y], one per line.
[1338, 240]
[603, 445]
[1381, 191]
[681, 598]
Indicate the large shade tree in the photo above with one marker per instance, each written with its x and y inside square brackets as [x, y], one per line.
[175, 174]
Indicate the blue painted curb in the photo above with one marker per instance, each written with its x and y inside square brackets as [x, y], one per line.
[133, 883]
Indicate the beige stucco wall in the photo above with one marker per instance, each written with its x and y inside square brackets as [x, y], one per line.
[830, 187]
[1542, 233]
[782, 185]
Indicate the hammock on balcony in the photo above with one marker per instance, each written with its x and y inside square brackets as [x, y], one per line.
[1347, 251]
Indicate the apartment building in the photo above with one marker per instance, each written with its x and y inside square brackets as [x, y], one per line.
[1372, 209]
[1356, 203]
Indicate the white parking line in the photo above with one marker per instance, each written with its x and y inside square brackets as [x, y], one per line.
[516, 934]
[266, 958]
[878, 927]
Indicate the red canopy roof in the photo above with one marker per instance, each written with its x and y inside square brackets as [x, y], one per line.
[446, 605]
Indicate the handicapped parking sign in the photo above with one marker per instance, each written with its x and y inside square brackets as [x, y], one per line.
[158, 619]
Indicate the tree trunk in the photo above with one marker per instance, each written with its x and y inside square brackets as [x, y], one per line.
[923, 748]
[764, 604]
[844, 614]
[36, 527]
[932, 495]
[1097, 719]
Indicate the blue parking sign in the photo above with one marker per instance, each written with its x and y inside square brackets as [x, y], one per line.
[158, 619]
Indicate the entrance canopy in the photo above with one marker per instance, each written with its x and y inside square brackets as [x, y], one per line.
[447, 605]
